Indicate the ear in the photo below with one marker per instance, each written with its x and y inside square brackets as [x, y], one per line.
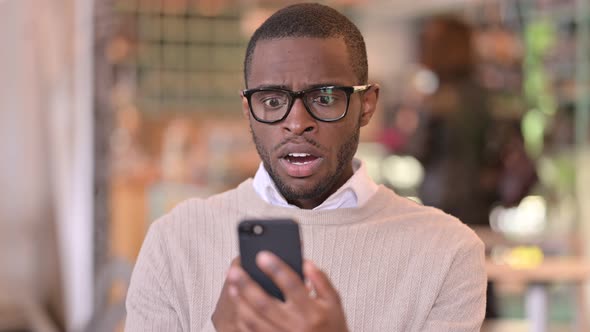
[369, 101]
[245, 106]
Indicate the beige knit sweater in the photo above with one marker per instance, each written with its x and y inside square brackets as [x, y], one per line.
[398, 266]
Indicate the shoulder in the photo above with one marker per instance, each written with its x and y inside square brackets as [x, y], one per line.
[195, 215]
[426, 222]
[434, 236]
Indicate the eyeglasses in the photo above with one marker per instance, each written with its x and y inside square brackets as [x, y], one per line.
[326, 103]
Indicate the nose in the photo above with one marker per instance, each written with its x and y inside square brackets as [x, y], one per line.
[299, 120]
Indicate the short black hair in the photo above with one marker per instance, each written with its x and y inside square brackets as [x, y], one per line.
[312, 20]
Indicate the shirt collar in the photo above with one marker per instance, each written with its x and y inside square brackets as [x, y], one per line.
[354, 193]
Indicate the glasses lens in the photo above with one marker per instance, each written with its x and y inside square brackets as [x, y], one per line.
[327, 103]
[269, 105]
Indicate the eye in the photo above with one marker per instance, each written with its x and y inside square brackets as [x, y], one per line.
[270, 100]
[273, 102]
[325, 100]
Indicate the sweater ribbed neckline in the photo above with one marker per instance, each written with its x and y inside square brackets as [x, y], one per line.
[258, 207]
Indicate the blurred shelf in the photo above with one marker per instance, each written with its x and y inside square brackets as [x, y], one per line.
[552, 269]
[515, 325]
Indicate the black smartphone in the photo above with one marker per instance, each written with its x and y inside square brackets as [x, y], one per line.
[279, 236]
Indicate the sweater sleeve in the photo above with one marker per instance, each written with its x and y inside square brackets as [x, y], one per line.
[149, 299]
[460, 306]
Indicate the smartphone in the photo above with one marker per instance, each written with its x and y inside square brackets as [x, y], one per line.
[279, 236]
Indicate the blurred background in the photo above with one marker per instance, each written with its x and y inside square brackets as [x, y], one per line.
[113, 111]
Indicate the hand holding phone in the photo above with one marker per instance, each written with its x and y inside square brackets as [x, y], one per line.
[279, 236]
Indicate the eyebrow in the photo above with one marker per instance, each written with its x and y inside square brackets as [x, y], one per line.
[284, 87]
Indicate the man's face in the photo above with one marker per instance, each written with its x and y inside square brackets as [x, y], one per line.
[308, 159]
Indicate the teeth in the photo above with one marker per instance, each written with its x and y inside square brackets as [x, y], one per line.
[295, 155]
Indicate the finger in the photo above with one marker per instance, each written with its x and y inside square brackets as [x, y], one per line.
[249, 319]
[250, 291]
[252, 295]
[310, 289]
[321, 283]
[225, 310]
[236, 261]
[223, 297]
[284, 277]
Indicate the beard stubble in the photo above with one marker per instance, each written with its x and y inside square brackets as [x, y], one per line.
[325, 185]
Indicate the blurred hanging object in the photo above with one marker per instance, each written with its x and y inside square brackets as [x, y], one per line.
[29, 277]
[63, 31]
[210, 7]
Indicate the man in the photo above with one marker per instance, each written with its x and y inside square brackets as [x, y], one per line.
[375, 261]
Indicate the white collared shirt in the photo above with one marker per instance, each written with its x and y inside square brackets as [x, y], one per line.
[354, 193]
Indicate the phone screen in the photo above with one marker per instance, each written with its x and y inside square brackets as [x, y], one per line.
[279, 236]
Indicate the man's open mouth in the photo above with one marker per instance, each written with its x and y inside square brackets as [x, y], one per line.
[300, 164]
[300, 158]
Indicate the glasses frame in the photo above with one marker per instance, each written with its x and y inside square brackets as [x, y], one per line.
[293, 95]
